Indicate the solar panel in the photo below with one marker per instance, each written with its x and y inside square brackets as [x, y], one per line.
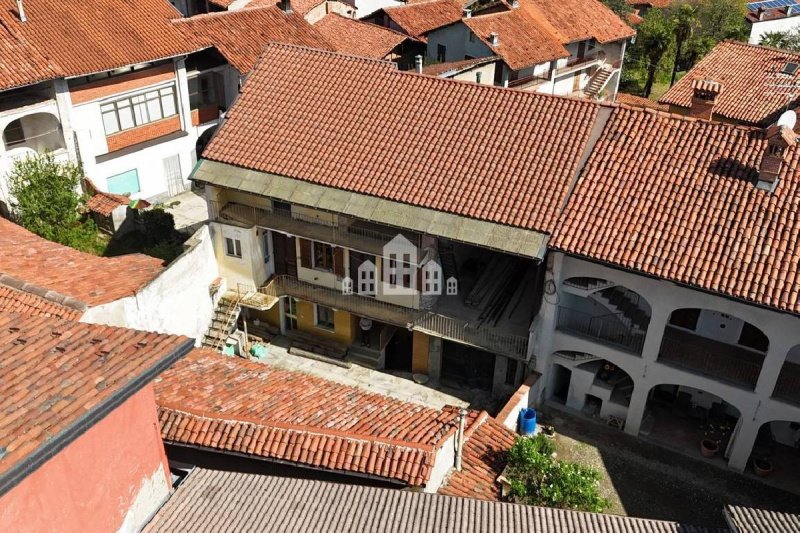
[770, 4]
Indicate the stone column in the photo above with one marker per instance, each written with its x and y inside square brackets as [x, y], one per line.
[637, 405]
[773, 363]
[435, 360]
[655, 333]
[743, 442]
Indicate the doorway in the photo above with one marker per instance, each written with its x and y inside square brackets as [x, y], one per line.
[285, 254]
[172, 173]
[399, 351]
[560, 383]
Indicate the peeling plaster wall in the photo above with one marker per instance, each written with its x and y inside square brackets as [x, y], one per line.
[176, 302]
[111, 478]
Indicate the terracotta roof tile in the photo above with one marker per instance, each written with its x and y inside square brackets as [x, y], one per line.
[351, 36]
[418, 18]
[483, 461]
[297, 417]
[524, 39]
[515, 167]
[79, 38]
[55, 372]
[26, 258]
[104, 203]
[240, 35]
[750, 76]
[25, 303]
[675, 198]
[639, 101]
[578, 20]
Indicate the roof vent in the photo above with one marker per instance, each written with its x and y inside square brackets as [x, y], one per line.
[514, 4]
[494, 38]
[780, 136]
[704, 98]
[285, 6]
[466, 13]
[21, 11]
[418, 64]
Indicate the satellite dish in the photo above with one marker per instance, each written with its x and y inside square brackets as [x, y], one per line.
[788, 118]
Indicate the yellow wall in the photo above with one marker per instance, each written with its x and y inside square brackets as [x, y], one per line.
[343, 324]
[271, 316]
[419, 353]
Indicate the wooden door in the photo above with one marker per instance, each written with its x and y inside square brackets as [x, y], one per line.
[285, 255]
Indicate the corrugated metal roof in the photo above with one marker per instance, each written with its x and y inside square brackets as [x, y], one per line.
[211, 501]
[747, 520]
[526, 243]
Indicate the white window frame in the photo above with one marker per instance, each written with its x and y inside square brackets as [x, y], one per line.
[233, 245]
[140, 107]
[325, 326]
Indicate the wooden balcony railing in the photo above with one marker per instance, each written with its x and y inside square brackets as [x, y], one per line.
[450, 328]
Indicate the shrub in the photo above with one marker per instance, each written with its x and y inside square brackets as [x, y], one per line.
[536, 478]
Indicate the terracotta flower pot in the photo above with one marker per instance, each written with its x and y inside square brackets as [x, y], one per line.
[708, 448]
[762, 467]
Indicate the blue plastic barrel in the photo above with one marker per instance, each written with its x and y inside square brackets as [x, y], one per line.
[527, 421]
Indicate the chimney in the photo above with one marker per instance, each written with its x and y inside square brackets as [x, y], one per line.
[418, 64]
[285, 6]
[466, 13]
[514, 4]
[462, 421]
[760, 12]
[21, 11]
[704, 97]
[790, 11]
[494, 38]
[780, 136]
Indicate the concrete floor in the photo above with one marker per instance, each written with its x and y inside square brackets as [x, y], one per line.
[189, 210]
[649, 481]
[371, 380]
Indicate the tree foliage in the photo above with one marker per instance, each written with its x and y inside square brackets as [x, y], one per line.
[621, 7]
[46, 201]
[786, 40]
[538, 479]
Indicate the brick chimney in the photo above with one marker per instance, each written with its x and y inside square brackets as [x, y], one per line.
[494, 38]
[780, 136]
[704, 97]
[285, 6]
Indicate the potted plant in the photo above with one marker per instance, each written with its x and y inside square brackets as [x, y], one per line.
[709, 448]
[762, 467]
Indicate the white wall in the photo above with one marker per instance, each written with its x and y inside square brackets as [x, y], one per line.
[758, 29]
[455, 37]
[756, 407]
[176, 302]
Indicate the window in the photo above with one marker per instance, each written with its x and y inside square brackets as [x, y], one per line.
[789, 68]
[139, 109]
[291, 314]
[125, 183]
[441, 53]
[323, 317]
[14, 134]
[322, 256]
[203, 90]
[233, 247]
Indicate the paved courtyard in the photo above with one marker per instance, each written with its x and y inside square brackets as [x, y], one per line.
[645, 480]
[188, 209]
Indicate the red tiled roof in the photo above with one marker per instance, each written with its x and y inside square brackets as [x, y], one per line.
[240, 35]
[578, 20]
[104, 203]
[750, 77]
[418, 18]
[675, 198]
[483, 461]
[659, 4]
[92, 280]
[25, 303]
[515, 166]
[524, 40]
[237, 405]
[80, 38]
[351, 36]
[55, 373]
[639, 101]
[299, 6]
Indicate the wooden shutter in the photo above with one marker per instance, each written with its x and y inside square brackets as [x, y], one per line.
[338, 262]
[305, 253]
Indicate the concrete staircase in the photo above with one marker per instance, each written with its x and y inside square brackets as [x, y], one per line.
[598, 82]
[626, 303]
[223, 323]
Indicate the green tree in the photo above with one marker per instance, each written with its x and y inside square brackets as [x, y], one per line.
[654, 37]
[621, 7]
[717, 20]
[538, 479]
[785, 40]
[684, 19]
[46, 201]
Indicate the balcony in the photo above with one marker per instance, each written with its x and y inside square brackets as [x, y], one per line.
[788, 386]
[449, 328]
[361, 236]
[575, 64]
[610, 329]
[725, 362]
[33, 133]
[529, 82]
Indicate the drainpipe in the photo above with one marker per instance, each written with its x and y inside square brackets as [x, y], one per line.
[462, 420]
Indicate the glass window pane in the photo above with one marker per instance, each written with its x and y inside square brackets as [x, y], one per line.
[154, 109]
[125, 117]
[110, 123]
[127, 182]
[168, 104]
[140, 114]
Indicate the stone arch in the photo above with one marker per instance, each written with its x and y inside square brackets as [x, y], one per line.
[40, 132]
